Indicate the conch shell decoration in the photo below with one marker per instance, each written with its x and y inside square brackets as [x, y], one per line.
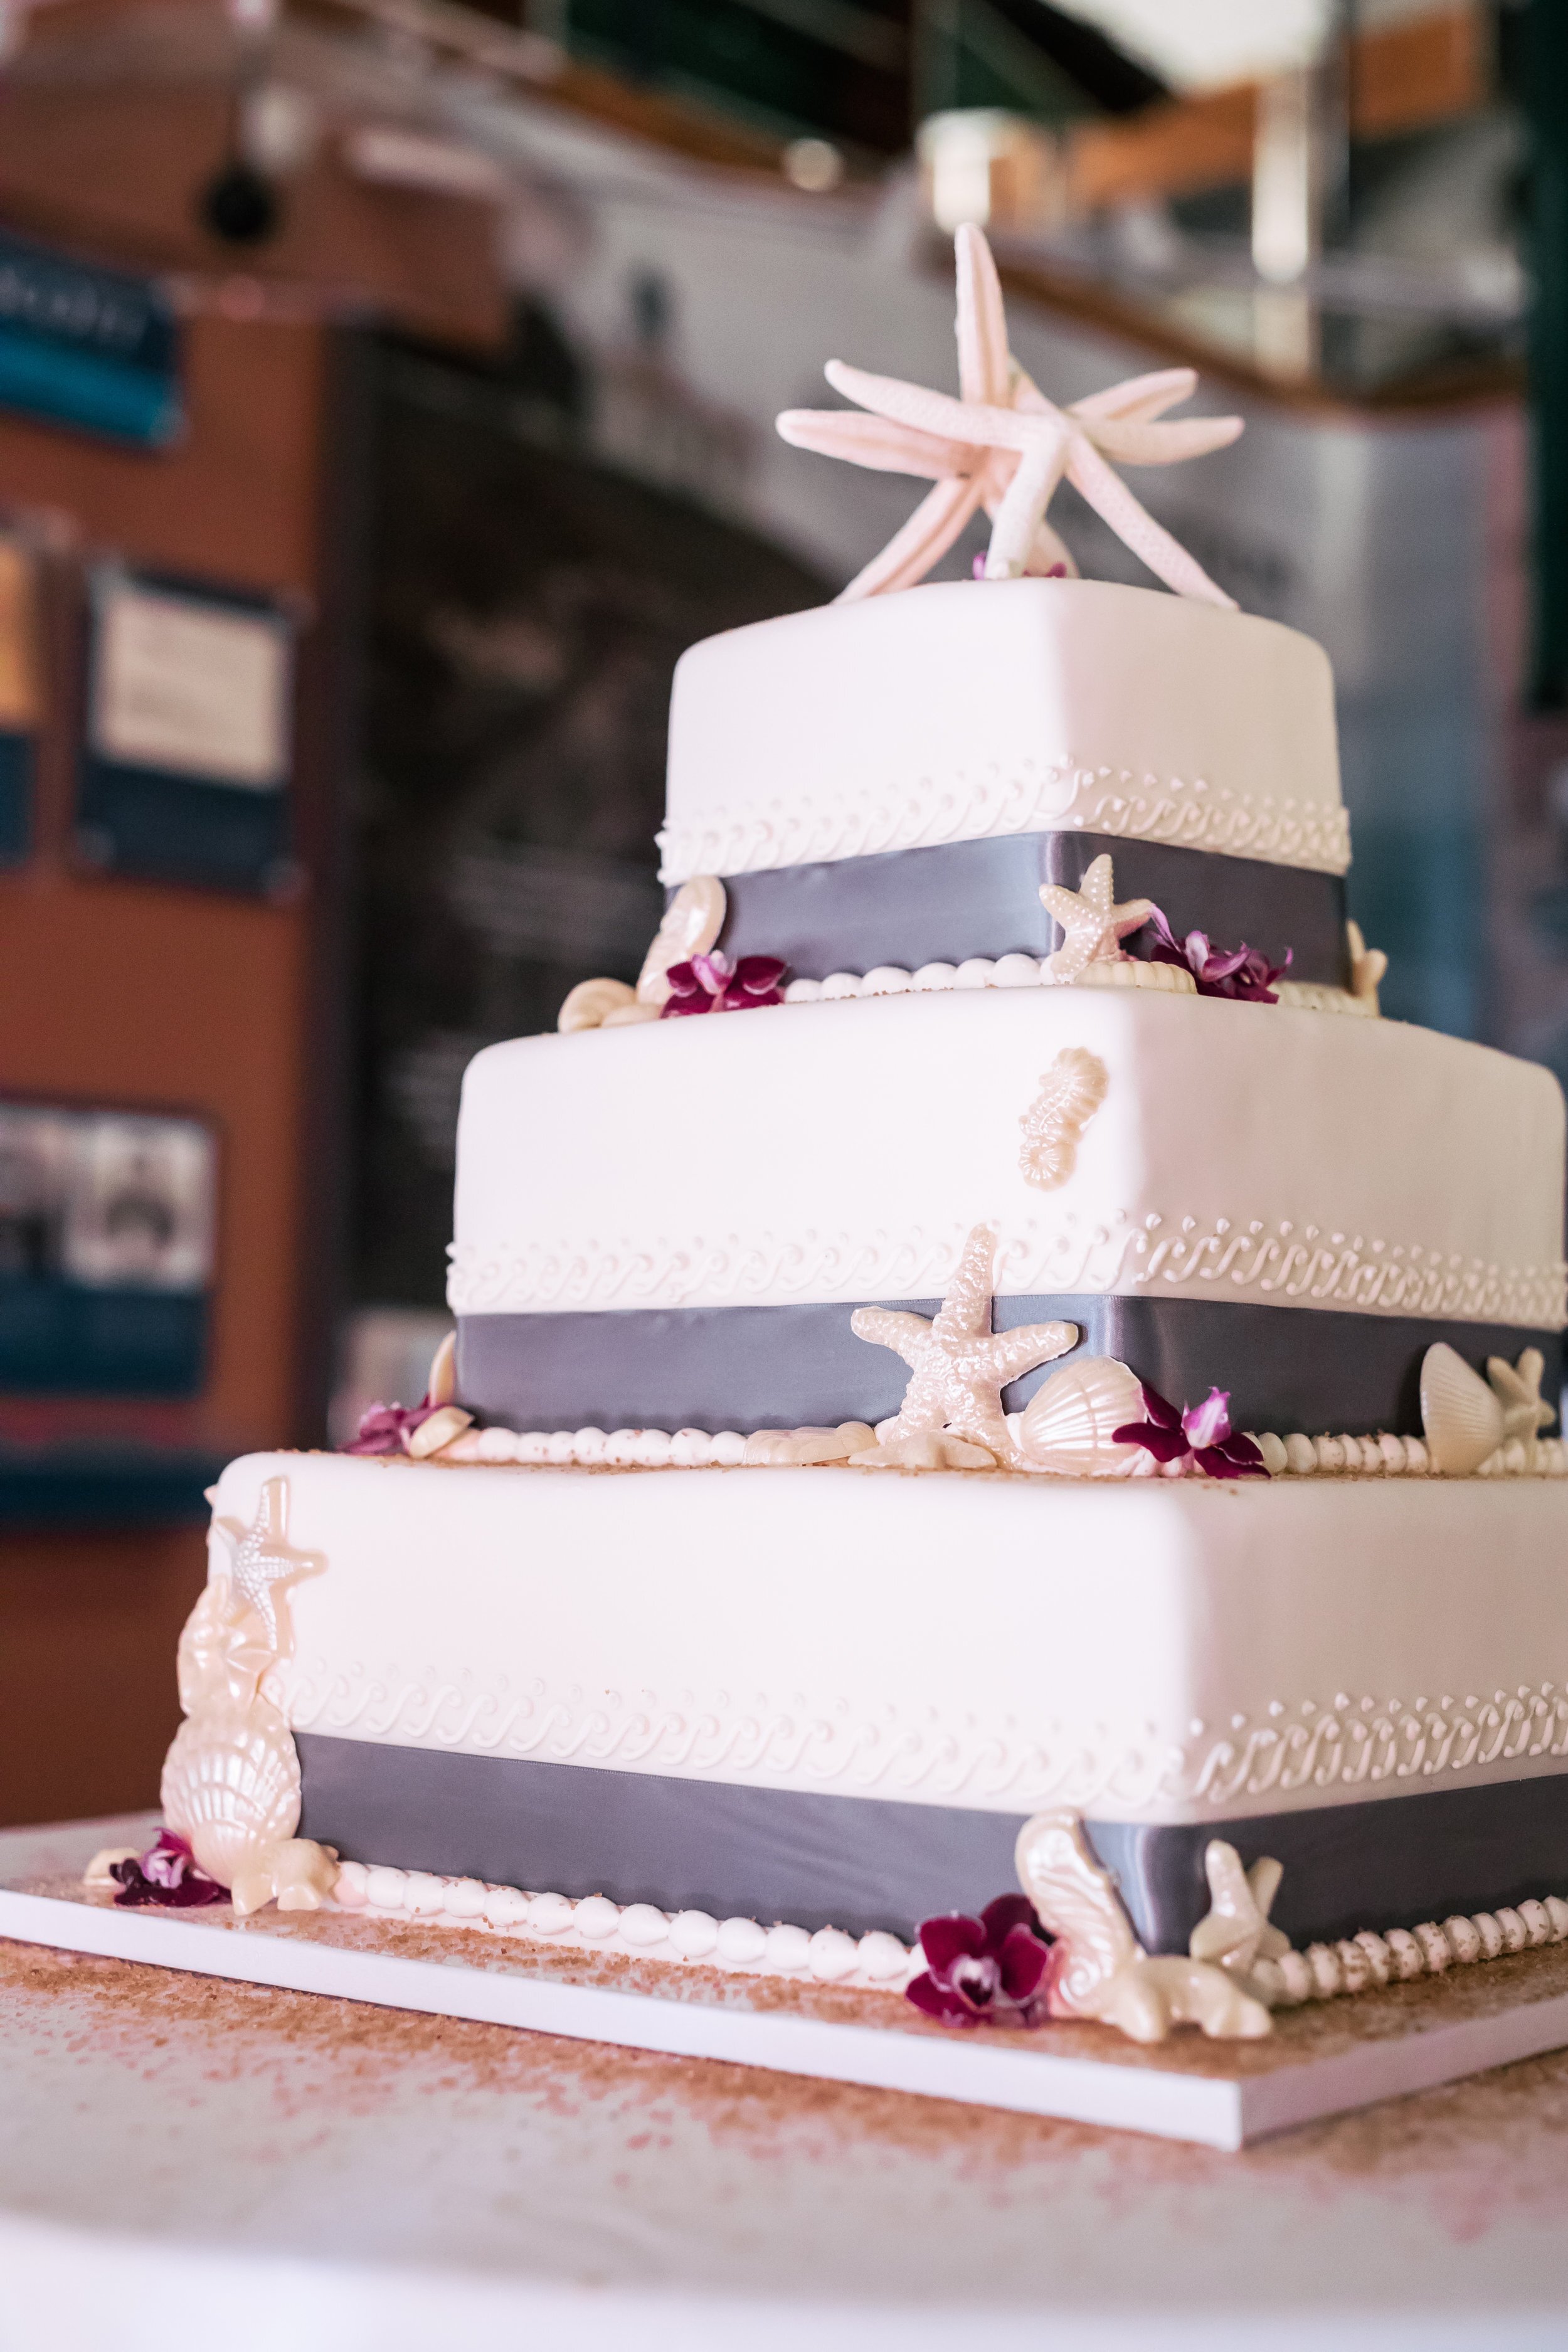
[231, 1780]
[692, 923]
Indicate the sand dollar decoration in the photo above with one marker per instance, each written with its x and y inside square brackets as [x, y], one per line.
[692, 923]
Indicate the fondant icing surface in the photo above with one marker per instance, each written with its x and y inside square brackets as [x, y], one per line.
[1163, 1651]
[843, 1151]
[952, 712]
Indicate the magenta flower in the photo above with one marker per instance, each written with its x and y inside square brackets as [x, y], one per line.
[1202, 1430]
[984, 1968]
[712, 983]
[168, 1872]
[384, 1428]
[1243, 973]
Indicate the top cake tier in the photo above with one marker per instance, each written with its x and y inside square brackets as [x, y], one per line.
[962, 712]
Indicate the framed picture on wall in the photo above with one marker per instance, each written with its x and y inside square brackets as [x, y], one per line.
[186, 744]
[107, 1235]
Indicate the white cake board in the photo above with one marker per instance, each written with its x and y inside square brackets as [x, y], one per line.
[1319, 2062]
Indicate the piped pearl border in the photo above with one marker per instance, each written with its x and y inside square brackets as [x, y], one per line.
[1391, 1457]
[1300, 1457]
[739, 1947]
[1364, 1962]
[1029, 972]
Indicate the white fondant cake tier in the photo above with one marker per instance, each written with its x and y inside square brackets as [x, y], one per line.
[954, 711]
[1248, 1153]
[1167, 1652]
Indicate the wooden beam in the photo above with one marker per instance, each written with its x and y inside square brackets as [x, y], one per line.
[1401, 79]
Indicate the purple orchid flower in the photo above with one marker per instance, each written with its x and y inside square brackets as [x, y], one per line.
[985, 1970]
[712, 983]
[384, 1428]
[1202, 1430]
[169, 1873]
[1244, 974]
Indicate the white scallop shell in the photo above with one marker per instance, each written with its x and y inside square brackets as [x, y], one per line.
[1067, 1424]
[231, 1785]
[590, 1001]
[692, 923]
[1460, 1416]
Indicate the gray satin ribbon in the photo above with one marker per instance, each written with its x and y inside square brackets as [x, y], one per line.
[749, 1368]
[912, 907]
[859, 1863]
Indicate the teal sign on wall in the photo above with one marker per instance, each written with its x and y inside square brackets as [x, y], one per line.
[97, 349]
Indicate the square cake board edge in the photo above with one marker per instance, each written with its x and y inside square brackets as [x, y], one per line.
[1180, 2090]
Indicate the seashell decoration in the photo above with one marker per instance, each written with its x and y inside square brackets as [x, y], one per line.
[1066, 1426]
[231, 1780]
[692, 923]
[780, 1449]
[591, 1003]
[448, 1422]
[231, 1785]
[441, 1387]
[1462, 1419]
[1071, 1091]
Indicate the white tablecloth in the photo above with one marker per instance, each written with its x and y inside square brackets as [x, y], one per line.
[187, 2160]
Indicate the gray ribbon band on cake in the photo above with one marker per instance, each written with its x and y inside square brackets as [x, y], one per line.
[749, 1368]
[860, 1862]
[961, 899]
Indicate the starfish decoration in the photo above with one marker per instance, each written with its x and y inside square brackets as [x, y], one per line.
[1002, 446]
[1235, 1933]
[261, 1555]
[1516, 1388]
[958, 1365]
[1095, 925]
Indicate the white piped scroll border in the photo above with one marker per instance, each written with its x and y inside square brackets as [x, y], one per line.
[1068, 796]
[1310, 1265]
[1277, 1749]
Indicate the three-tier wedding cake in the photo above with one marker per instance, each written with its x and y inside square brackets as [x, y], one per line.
[1061, 1374]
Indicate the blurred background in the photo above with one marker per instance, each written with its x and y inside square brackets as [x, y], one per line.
[386, 392]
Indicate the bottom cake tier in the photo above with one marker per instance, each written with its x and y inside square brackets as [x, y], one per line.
[829, 1697]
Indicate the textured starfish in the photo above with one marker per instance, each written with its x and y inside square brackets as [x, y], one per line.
[958, 1365]
[1095, 925]
[1002, 446]
[1516, 1388]
[261, 1555]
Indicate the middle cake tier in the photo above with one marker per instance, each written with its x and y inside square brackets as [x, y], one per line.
[670, 1225]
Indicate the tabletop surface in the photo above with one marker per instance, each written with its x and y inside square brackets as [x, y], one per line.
[174, 2144]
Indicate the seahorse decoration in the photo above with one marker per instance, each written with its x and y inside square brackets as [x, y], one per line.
[1071, 1091]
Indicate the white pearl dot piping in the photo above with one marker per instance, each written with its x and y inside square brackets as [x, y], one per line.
[875, 1961]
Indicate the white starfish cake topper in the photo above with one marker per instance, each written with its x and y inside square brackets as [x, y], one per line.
[1002, 446]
